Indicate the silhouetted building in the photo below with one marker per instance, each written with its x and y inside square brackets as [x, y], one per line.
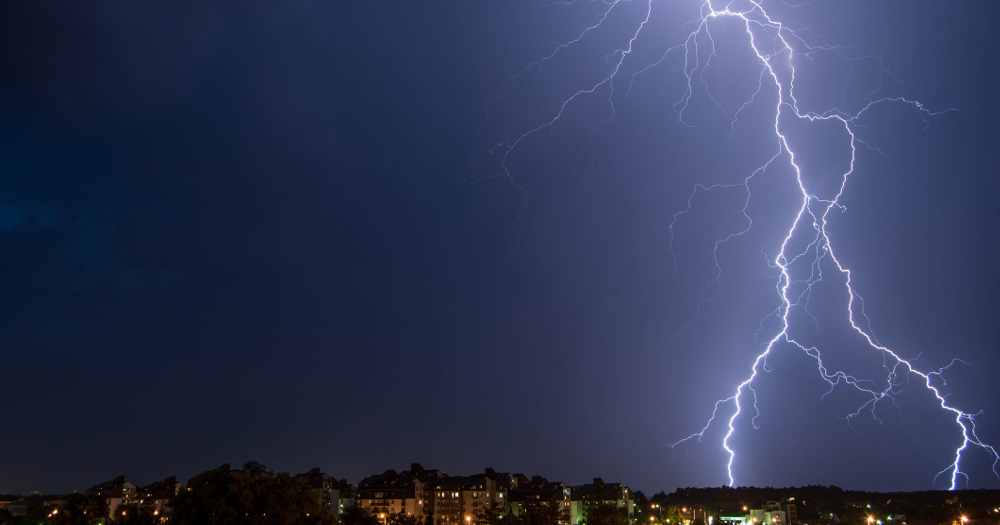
[584, 498]
[157, 495]
[538, 490]
[115, 492]
[406, 492]
[458, 499]
[348, 496]
[19, 507]
[327, 487]
[787, 506]
[770, 515]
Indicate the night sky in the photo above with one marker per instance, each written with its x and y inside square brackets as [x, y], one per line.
[270, 231]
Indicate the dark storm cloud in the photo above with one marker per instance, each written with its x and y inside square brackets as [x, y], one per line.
[244, 231]
[100, 59]
[223, 249]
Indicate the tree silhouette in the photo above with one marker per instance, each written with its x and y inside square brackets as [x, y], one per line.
[355, 515]
[399, 518]
[605, 514]
[253, 495]
[136, 515]
[545, 513]
[492, 514]
[81, 509]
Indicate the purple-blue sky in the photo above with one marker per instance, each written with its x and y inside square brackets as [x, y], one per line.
[247, 232]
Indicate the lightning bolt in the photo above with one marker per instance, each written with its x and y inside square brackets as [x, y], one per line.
[775, 43]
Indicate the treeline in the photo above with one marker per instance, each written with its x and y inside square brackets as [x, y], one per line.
[253, 495]
[817, 503]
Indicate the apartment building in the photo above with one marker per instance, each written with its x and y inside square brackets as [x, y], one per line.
[116, 492]
[538, 490]
[584, 498]
[157, 495]
[787, 506]
[348, 496]
[327, 487]
[405, 492]
[457, 499]
[767, 516]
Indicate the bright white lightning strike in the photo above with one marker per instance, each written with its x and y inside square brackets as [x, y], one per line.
[775, 44]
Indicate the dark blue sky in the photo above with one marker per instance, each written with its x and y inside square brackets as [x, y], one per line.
[247, 231]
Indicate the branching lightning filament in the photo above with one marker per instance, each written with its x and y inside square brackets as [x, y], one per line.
[798, 264]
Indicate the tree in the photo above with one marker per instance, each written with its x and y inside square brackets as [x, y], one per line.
[399, 518]
[355, 515]
[81, 509]
[547, 513]
[672, 515]
[136, 515]
[644, 509]
[510, 519]
[36, 513]
[605, 514]
[491, 514]
[253, 495]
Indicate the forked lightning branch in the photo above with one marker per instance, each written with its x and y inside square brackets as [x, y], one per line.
[807, 247]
